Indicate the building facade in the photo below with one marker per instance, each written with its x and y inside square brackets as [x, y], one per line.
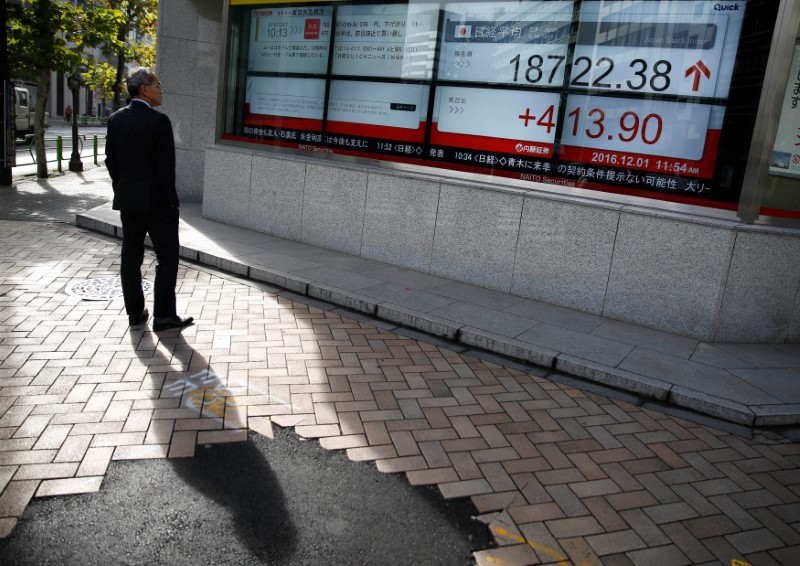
[638, 159]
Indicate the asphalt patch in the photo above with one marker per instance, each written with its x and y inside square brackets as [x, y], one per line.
[265, 501]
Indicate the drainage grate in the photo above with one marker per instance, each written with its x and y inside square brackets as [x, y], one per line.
[101, 288]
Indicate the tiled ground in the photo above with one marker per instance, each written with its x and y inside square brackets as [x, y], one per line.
[562, 476]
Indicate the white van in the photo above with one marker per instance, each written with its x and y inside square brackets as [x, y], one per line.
[25, 112]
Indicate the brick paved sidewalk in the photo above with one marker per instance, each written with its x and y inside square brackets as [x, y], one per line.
[559, 474]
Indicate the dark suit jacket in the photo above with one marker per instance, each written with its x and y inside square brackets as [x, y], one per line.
[140, 156]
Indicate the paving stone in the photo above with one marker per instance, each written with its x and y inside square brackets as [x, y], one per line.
[570, 504]
[317, 431]
[596, 487]
[756, 498]
[499, 500]
[694, 550]
[45, 471]
[69, 486]
[183, 444]
[15, 497]
[546, 546]
[118, 439]
[658, 489]
[574, 527]
[787, 534]
[669, 554]
[620, 541]
[452, 490]
[7, 526]
[141, 452]
[535, 513]
[518, 554]
[371, 453]
[403, 464]
[605, 514]
[670, 512]
[496, 475]
[700, 504]
[650, 533]
[756, 540]
[22, 457]
[786, 555]
[741, 517]
[432, 476]
[707, 527]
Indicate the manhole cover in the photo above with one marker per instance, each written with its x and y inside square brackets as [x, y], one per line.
[101, 288]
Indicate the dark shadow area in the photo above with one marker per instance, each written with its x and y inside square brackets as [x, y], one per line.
[236, 478]
[274, 501]
[39, 200]
[222, 507]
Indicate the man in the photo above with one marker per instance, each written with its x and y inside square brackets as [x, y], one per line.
[140, 156]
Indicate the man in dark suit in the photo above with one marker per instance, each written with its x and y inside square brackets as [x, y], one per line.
[140, 156]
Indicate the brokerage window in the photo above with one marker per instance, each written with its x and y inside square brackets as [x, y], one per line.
[640, 97]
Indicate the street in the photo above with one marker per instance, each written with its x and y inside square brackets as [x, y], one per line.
[26, 164]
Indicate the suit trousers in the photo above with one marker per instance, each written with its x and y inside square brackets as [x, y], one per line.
[162, 226]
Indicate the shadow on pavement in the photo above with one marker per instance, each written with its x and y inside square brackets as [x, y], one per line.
[53, 199]
[275, 501]
[235, 477]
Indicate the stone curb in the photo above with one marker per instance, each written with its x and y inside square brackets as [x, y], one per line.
[419, 321]
[348, 299]
[507, 346]
[614, 377]
[777, 415]
[711, 405]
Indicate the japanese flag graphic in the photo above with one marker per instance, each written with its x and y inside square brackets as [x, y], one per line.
[463, 32]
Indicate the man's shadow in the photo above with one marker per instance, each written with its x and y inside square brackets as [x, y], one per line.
[234, 475]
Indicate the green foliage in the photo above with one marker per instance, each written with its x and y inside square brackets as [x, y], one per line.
[39, 34]
[133, 41]
[56, 35]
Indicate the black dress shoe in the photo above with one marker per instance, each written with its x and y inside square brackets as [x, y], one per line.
[133, 320]
[169, 322]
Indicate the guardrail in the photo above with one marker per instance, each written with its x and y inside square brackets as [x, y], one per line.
[92, 120]
[59, 147]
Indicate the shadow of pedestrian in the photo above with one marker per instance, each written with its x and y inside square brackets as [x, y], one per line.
[235, 475]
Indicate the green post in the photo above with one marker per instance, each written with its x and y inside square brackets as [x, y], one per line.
[95, 149]
[59, 147]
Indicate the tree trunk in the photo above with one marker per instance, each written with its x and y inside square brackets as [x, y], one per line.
[120, 69]
[42, 94]
[118, 82]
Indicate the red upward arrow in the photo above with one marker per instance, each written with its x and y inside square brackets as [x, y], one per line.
[698, 69]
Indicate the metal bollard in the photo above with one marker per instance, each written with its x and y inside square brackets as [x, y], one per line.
[95, 149]
[59, 148]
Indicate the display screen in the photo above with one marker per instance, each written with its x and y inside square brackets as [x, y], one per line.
[284, 110]
[373, 116]
[627, 96]
[670, 48]
[472, 117]
[293, 39]
[506, 42]
[652, 135]
[385, 40]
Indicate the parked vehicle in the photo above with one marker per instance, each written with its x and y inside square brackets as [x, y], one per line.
[25, 112]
